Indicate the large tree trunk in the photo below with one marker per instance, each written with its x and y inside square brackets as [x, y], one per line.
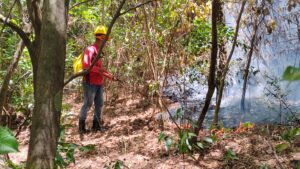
[49, 84]
[8, 76]
[213, 63]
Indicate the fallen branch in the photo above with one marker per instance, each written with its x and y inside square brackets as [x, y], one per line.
[275, 154]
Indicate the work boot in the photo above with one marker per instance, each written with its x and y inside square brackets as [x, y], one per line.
[82, 129]
[96, 126]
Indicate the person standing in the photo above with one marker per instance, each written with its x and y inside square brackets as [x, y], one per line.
[93, 82]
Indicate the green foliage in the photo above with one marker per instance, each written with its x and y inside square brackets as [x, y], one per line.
[247, 125]
[66, 107]
[168, 14]
[117, 164]
[184, 143]
[179, 114]
[65, 153]
[8, 142]
[153, 87]
[87, 148]
[68, 149]
[290, 134]
[166, 139]
[264, 166]
[65, 150]
[291, 74]
[282, 147]
[199, 39]
[20, 91]
[12, 165]
[208, 140]
[230, 155]
[84, 18]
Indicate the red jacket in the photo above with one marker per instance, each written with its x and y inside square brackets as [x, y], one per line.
[97, 72]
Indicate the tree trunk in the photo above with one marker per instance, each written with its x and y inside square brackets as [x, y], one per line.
[8, 76]
[224, 73]
[49, 84]
[222, 60]
[249, 58]
[213, 63]
[35, 12]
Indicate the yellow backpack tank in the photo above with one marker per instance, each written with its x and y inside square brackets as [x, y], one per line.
[77, 63]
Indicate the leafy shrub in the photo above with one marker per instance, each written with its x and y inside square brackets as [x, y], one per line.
[199, 39]
[184, 143]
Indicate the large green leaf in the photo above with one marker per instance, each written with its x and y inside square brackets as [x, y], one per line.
[291, 73]
[118, 164]
[8, 143]
[208, 140]
[200, 145]
[281, 147]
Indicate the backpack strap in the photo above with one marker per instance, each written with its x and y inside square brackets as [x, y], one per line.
[87, 76]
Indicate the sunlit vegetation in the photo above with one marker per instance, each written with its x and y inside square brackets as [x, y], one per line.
[198, 84]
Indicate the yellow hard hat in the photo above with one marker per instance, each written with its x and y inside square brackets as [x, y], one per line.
[100, 30]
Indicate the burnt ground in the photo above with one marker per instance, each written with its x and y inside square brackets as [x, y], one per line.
[131, 137]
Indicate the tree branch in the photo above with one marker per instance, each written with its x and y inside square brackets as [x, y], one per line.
[8, 15]
[116, 16]
[36, 6]
[130, 9]
[224, 73]
[236, 34]
[79, 3]
[171, 117]
[17, 29]
[9, 73]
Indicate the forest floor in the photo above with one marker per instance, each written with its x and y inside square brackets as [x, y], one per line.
[131, 138]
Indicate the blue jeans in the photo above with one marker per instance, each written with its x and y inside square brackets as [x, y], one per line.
[91, 93]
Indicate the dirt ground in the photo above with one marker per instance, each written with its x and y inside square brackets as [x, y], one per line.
[131, 137]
